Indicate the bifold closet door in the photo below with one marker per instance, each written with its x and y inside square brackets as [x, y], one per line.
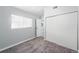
[62, 30]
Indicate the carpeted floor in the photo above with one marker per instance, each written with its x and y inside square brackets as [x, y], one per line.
[38, 45]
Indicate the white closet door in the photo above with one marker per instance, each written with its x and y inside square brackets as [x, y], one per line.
[62, 30]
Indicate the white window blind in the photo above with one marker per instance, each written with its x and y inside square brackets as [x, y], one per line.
[20, 22]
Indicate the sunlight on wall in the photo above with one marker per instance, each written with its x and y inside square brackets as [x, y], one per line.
[20, 22]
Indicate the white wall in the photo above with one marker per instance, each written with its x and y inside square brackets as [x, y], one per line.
[8, 36]
[62, 29]
[49, 11]
[78, 28]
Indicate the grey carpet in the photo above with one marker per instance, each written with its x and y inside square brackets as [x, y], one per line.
[38, 45]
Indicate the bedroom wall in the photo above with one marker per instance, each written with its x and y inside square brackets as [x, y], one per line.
[10, 36]
[54, 18]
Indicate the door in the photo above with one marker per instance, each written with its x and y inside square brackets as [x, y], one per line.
[39, 28]
[62, 30]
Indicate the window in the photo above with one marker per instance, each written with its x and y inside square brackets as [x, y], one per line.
[20, 22]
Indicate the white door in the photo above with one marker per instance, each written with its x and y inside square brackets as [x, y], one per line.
[39, 28]
[62, 30]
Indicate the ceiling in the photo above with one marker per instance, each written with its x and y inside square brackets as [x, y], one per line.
[36, 10]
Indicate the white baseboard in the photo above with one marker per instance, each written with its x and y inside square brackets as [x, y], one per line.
[16, 44]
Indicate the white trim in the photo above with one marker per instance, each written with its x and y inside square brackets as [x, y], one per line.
[16, 44]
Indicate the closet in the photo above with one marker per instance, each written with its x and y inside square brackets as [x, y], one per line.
[61, 26]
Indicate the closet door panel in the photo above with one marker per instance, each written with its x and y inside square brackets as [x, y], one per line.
[62, 30]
